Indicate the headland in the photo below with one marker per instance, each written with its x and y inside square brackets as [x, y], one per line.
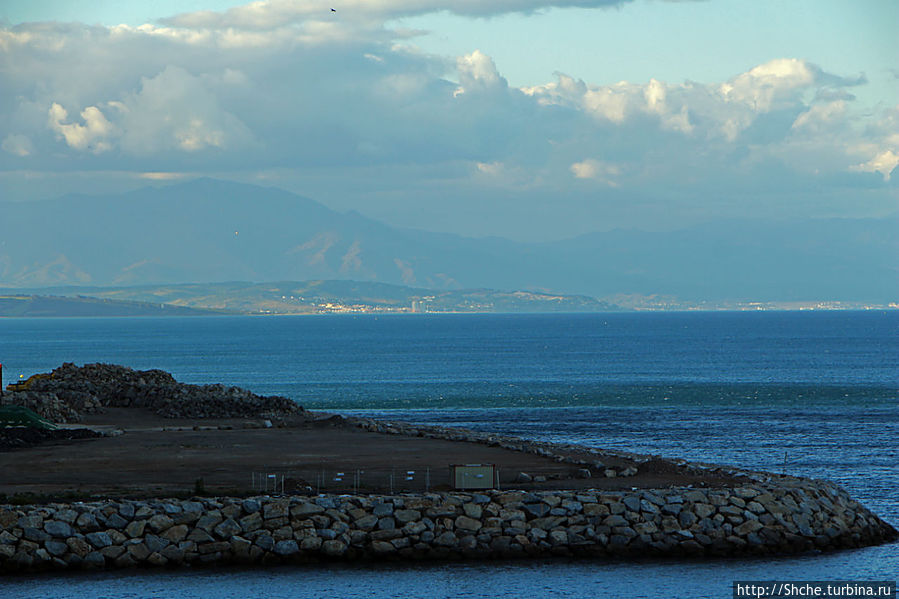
[178, 475]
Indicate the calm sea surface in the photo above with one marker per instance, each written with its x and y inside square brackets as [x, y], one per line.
[811, 393]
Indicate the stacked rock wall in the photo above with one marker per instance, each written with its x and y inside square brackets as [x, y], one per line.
[757, 519]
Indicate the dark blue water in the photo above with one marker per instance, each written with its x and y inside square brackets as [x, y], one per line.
[811, 393]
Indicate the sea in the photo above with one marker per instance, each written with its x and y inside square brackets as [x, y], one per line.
[807, 393]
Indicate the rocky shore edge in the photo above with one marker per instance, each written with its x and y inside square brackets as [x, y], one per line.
[789, 517]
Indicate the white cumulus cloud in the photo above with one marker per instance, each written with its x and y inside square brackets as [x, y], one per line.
[94, 135]
[882, 163]
[477, 71]
[598, 170]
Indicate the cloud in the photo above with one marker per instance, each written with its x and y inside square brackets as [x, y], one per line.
[880, 146]
[883, 163]
[163, 176]
[724, 110]
[175, 110]
[598, 170]
[492, 169]
[763, 86]
[477, 72]
[820, 116]
[171, 111]
[350, 111]
[93, 135]
[273, 13]
[18, 145]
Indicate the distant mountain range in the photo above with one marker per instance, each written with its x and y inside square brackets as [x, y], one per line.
[207, 231]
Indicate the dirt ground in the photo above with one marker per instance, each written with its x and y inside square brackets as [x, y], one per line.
[155, 456]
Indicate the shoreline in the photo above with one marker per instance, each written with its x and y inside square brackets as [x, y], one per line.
[765, 514]
[557, 500]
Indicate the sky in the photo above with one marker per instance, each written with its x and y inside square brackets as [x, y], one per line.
[525, 119]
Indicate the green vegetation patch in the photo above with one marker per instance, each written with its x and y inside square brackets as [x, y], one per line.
[18, 416]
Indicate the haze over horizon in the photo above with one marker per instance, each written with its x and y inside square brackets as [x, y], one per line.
[526, 119]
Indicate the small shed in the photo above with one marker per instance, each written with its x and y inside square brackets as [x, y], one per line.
[473, 476]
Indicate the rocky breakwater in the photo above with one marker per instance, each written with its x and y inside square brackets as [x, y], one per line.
[69, 392]
[789, 517]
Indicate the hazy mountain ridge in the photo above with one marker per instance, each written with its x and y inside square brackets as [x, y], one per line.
[207, 230]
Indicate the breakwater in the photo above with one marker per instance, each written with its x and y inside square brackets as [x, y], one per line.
[792, 516]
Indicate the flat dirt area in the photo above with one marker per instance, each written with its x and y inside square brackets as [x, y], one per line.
[155, 456]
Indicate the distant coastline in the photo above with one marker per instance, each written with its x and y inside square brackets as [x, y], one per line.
[36, 306]
[355, 297]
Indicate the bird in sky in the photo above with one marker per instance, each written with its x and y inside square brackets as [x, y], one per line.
[333, 10]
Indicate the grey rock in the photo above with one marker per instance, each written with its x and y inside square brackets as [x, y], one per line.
[266, 542]
[155, 544]
[94, 559]
[79, 547]
[198, 535]
[632, 502]
[382, 547]
[286, 547]
[687, 519]
[228, 529]
[209, 522]
[367, 522]
[175, 534]
[115, 521]
[306, 509]
[35, 534]
[139, 551]
[326, 502]
[537, 510]
[385, 535]
[558, 537]
[98, 539]
[466, 523]
[66, 515]
[703, 510]
[279, 509]
[615, 520]
[405, 516]
[135, 528]
[56, 548]
[473, 510]
[672, 508]
[311, 543]
[7, 538]
[159, 522]
[334, 548]
[87, 522]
